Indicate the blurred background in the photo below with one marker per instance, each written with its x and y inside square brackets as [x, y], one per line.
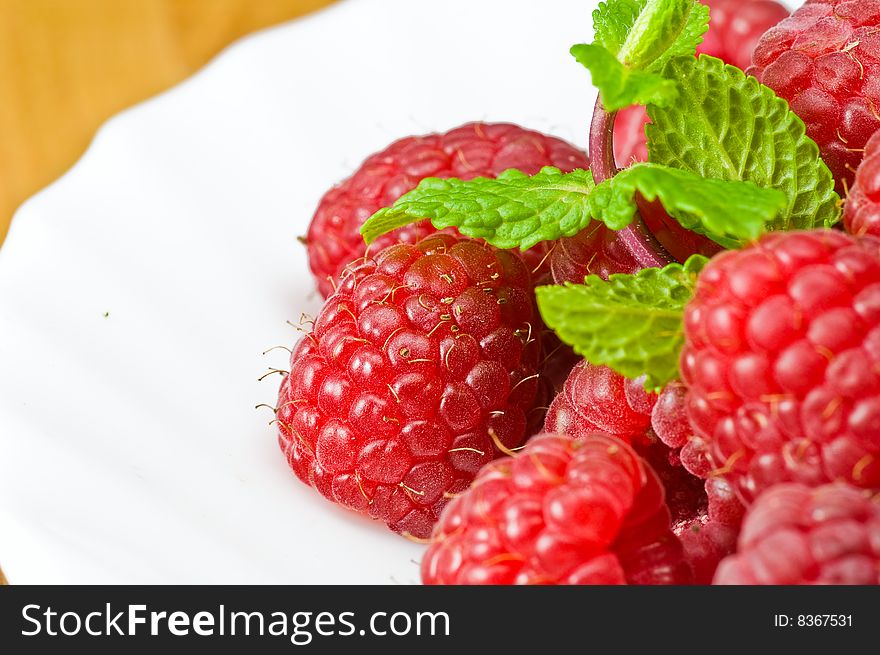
[66, 66]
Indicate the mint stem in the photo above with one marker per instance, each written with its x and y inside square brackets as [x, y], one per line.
[636, 238]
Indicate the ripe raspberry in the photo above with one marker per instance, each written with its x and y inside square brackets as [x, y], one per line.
[594, 250]
[710, 536]
[472, 150]
[563, 511]
[734, 28]
[596, 399]
[861, 213]
[671, 424]
[630, 141]
[422, 359]
[825, 60]
[705, 515]
[795, 534]
[782, 361]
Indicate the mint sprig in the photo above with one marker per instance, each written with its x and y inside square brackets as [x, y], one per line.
[726, 125]
[630, 323]
[633, 39]
[517, 211]
[513, 210]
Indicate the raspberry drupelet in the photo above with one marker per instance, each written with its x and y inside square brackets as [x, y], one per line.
[562, 511]
[795, 534]
[472, 150]
[825, 60]
[782, 361]
[419, 368]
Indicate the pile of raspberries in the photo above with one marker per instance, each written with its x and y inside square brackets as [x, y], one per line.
[427, 394]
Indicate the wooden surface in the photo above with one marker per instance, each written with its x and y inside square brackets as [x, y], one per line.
[66, 66]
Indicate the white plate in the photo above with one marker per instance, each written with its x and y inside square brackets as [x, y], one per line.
[131, 450]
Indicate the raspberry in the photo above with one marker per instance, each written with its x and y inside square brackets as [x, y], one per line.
[685, 494]
[782, 361]
[594, 250]
[825, 60]
[630, 141]
[472, 150]
[705, 515]
[596, 399]
[671, 424]
[861, 213]
[563, 511]
[734, 29]
[710, 535]
[795, 534]
[419, 368]
[705, 544]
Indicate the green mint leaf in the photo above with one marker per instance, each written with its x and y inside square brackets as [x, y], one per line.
[631, 323]
[612, 21]
[513, 210]
[633, 39]
[620, 86]
[662, 29]
[730, 213]
[647, 32]
[726, 125]
[691, 35]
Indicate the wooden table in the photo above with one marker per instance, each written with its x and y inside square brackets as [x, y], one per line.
[66, 66]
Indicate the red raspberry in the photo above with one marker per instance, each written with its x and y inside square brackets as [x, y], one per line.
[596, 399]
[710, 535]
[594, 250]
[418, 366]
[685, 494]
[705, 515]
[825, 60]
[734, 28]
[795, 534]
[861, 213]
[563, 511]
[671, 424]
[782, 361]
[472, 150]
[630, 141]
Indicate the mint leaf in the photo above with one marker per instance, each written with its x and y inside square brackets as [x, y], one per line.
[691, 35]
[726, 125]
[510, 211]
[620, 86]
[518, 211]
[631, 323]
[730, 213]
[664, 28]
[633, 38]
[612, 21]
